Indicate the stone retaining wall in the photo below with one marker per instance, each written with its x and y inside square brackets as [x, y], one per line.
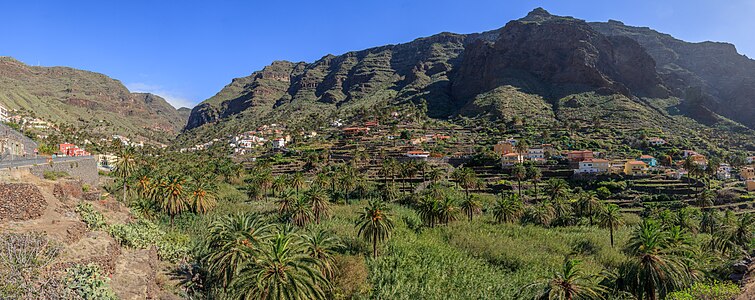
[84, 170]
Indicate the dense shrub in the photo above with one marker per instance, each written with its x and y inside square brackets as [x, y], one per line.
[143, 234]
[90, 216]
[703, 291]
[88, 282]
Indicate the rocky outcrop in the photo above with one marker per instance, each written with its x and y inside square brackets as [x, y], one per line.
[556, 51]
[20, 201]
[542, 54]
[725, 78]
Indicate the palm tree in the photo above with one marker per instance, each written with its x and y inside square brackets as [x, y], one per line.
[202, 196]
[709, 221]
[610, 218]
[124, 167]
[286, 202]
[467, 178]
[508, 209]
[318, 200]
[436, 175]
[471, 206]
[737, 235]
[567, 284]
[557, 188]
[264, 181]
[520, 173]
[282, 270]
[542, 213]
[521, 147]
[588, 204]
[279, 184]
[348, 183]
[233, 240]
[428, 209]
[447, 210]
[322, 246]
[173, 196]
[375, 225]
[654, 269]
[300, 213]
[297, 181]
[534, 175]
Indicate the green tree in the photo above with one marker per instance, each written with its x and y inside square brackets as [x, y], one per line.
[202, 195]
[322, 246]
[231, 241]
[124, 167]
[588, 205]
[535, 175]
[174, 200]
[508, 209]
[654, 268]
[282, 270]
[375, 224]
[318, 201]
[610, 217]
[520, 173]
[566, 284]
[297, 181]
[471, 206]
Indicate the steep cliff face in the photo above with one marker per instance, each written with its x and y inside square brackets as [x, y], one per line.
[562, 54]
[419, 69]
[523, 69]
[707, 75]
[81, 98]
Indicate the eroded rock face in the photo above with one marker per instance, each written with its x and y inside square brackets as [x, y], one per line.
[20, 201]
[557, 51]
[725, 77]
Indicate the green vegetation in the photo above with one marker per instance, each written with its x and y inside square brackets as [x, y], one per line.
[88, 282]
[54, 175]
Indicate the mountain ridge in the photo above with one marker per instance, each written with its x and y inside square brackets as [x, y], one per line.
[87, 100]
[526, 67]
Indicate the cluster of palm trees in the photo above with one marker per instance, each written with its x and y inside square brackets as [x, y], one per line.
[247, 256]
[662, 258]
[170, 193]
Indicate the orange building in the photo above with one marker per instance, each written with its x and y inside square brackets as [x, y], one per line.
[580, 155]
[504, 148]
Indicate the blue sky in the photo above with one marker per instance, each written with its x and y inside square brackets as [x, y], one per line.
[186, 51]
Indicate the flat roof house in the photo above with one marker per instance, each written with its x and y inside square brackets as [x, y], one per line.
[593, 166]
[649, 160]
[579, 155]
[635, 168]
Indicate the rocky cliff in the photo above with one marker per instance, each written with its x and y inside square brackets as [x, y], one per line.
[524, 68]
[90, 101]
[709, 76]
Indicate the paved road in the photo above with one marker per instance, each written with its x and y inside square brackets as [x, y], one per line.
[25, 162]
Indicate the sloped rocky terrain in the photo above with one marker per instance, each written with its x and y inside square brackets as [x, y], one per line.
[526, 68]
[89, 101]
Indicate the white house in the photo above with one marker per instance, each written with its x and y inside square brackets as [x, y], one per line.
[655, 141]
[536, 154]
[418, 154]
[593, 166]
[687, 153]
[750, 159]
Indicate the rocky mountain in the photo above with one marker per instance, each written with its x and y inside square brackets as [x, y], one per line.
[708, 75]
[89, 101]
[532, 67]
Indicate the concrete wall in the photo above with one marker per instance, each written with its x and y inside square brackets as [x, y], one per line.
[84, 170]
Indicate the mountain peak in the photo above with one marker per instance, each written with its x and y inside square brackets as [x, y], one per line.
[537, 15]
